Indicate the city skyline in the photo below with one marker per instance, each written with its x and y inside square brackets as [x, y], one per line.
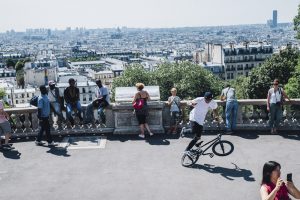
[140, 14]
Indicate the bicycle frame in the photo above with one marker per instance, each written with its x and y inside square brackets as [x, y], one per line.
[210, 144]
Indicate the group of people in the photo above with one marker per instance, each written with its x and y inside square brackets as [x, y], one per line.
[51, 101]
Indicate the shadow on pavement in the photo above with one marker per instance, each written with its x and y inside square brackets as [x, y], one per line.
[227, 173]
[158, 139]
[290, 136]
[13, 154]
[59, 151]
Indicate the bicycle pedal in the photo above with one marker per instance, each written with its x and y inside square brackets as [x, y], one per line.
[211, 155]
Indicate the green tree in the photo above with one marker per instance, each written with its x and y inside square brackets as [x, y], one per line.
[297, 23]
[190, 80]
[10, 63]
[19, 65]
[281, 66]
[2, 93]
[293, 86]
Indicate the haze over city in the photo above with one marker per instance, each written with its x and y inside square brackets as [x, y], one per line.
[19, 14]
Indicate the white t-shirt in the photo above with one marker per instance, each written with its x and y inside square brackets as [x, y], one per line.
[275, 96]
[200, 110]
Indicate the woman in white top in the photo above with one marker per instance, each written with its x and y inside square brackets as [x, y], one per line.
[276, 95]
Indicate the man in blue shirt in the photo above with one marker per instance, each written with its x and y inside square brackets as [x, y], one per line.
[43, 115]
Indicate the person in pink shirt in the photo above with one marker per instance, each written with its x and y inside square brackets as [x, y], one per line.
[273, 187]
[5, 128]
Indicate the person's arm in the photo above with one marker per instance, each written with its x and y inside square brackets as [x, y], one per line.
[148, 96]
[135, 97]
[268, 101]
[66, 95]
[285, 95]
[77, 94]
[40, 106]
[222, 97]
[169, 101]
[293, 190]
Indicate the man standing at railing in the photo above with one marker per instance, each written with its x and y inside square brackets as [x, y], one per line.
[43, 115]
[55, 100]
[228, 95]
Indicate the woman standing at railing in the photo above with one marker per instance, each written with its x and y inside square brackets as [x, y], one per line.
[141, 108]
[276, 96]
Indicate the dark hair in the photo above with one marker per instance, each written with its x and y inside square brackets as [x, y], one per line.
[98, 81]
[71, 80]
[268, 168]
[43, 89]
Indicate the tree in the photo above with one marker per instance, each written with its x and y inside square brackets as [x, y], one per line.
[281, 66]
[19, 65]
[2, 93]
[190, 80]
[293, 86]
[10, 63]
[297, 23]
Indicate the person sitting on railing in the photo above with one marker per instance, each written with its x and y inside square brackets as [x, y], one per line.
[276, 97]
[72, 98]
[5, 128]
[228, 95]
[197, 116]
[43, 115]
[100, 103]
[273, 187]
[55, 100]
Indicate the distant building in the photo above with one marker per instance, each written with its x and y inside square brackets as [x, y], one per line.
[274, 18]
[8, 75]
[37, 77]
[233, 60]
[240, 59]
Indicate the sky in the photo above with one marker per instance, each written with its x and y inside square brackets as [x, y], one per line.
[22, 14]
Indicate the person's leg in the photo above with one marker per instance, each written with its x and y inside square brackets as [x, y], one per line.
[197, 131]
[69, 113]
[78, 107]
[228, 111]
[47, 130]
[89, 113]
[272, 116]
[172, 122]
[58, 112]
[101, 114]
[278, 117]
[142, 128]
[148, 129]
[40, 134]
[234, 115]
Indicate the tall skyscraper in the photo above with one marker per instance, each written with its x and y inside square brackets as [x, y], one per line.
[274, 18]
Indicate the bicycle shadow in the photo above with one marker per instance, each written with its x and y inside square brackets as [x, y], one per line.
[13, 154]
[228, 173]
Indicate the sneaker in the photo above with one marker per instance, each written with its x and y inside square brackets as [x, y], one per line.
[39, 143]
[151, 134]
[7, 147]
[141, 136]
[52, 144]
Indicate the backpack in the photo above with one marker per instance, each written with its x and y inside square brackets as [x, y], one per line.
[139, 103]
[34, 101]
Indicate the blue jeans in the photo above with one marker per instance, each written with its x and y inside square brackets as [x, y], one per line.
[89, 114]
[275, 115]
[56, 109]
[70, 108]
[231, 114]
[44, 127]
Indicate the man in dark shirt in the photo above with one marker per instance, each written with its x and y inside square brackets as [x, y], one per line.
[72, 98]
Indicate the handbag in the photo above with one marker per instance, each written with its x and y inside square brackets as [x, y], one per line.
[139, 103]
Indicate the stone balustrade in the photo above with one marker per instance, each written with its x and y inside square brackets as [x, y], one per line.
[252, 115]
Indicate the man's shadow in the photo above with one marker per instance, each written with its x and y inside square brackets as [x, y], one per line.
[12, 154]
[228, 173]
[59, 151]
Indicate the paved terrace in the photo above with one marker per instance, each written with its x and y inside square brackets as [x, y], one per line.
[131, 168]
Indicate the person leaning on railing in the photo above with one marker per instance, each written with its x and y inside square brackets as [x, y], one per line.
[273, 187]
[275, 98]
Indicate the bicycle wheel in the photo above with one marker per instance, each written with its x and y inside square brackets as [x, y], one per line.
[188, 160]
[223, 148]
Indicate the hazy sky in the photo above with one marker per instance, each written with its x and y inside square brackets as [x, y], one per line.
[22, 14]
